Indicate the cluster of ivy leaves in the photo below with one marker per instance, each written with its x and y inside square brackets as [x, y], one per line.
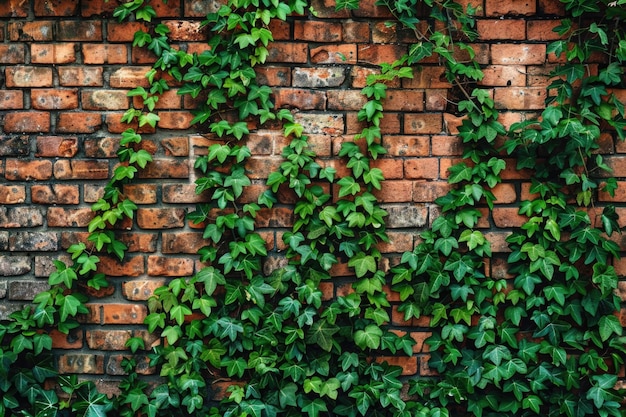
[545, 341]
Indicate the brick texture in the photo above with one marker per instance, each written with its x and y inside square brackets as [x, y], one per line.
[66, 67]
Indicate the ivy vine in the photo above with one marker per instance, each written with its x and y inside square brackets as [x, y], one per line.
[543, 341]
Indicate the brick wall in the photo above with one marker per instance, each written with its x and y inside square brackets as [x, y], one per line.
[65, 69]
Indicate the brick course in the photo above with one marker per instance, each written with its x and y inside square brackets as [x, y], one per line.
[66, 69]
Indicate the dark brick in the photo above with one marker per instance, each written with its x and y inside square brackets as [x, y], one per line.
[16, 217]
[26, 289]
[11, 266]
[33, 241]
[14, 145]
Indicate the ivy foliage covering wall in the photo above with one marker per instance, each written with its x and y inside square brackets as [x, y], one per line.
[544, 342]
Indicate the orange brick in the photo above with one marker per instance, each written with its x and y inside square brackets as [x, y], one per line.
[54, 99]
[56, 8]
[423, 123]
[510, 7]
[27, 76]
[512, 98]
[504, 76]
[317, 31]
[542, 30]
[11, 100]
[334, 54]
[27, 122]
[78, 122]
[497, 29]
[397, 145]
[169, 266]
[522, 54]
[421, 168]
[104, 54]
[53, 53]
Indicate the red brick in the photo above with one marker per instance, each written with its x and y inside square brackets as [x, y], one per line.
[509, 29]
[54, 194]
[317, 31]
[351, 100]
[106, 147]
[132, 266]
[421, 168]
[379, 54]
[370, 9]
[12, 194]
[140, 290]
[170, 8]
[506, 217]
[356, 32]
[11, 100]
[551, 7]
[182, 242]
[130, 77]
[54, 99]
[423, 123]
[427, 77]
[123, 313]
[141, 193]
[179, 120]
[395, 191]
[78, 122]
[25, 76]
[530, 98]
[542, 30]
[334, 54]
[300, 99]
[327, 123]
[115, 125]
[12, 53]
[40, 31]
[504, 76]
[75, 76]
[429, 191]
[291, 52]
[404, 100]
[14, 8]
[165, 168]
[56, 8]
[104, 54]
[79, 30]
[139, 242]
[26, 170]
[183, 193]
[169, 266]
[385, 32]
[406, 145]
[170, 99]
[142, 56]
[53, 53]
[160, 218]
[65, 169]
[274, 76]
[124, 32]
[510, 7]
[71, 340]
[27, 122]
[65, 217]
[81, 363]
[522, 54]
[392, 168]
[97, 7]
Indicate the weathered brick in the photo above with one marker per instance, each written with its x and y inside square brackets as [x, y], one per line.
[12, 53]
[14, 8]
[345, 100]
[40, 31]
[176, 146]
[408, 215]
[501, 29]
[129, 77]
[26, 290]
[429, 191]
[105, 100]
[27, 122]
[65, 217]
[132, 266]
[165, 168]
[27, 76]
[141, 290]
[423, 123]
[299, 98]
[200, 8]
[12, 194]
[510, 7]
[183, 193]
[33, 241]
[183, 242]
[542, 30]
[79, 30]
[114, 313]
[274, 76]
[106, 147]
[170, 99]
[81, 169]
[160, 218]
[75, 76]
[16, 217]
[91, 8]
[11, 99]
[56, 146]
[115, 125]
[406, 145]
[504, 76]
[179, 120]
[125, 31]
[186, 30]
[356, 32]
[54, 194]
[169, 266]
[104, 54]
[518, 54]
[379, 54]
[15, 145]
[72, 340]
[27, 170]
[53, 53]
[328, 123]
[56, 8]
[506, 217]
[385, 32]
[141, 193]
[421, 168]
[78, 122]
[427, 77]
[334, 54]
[288, 52]
[11, 266]
[318, 77]
[512, 98]
[317, 31]
[54, 99]
[81, 363]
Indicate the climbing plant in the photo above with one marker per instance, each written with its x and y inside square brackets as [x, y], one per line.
[290, 341]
